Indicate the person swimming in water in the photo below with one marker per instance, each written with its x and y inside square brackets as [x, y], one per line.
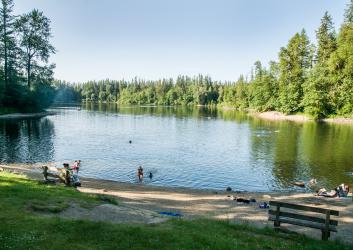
[140, 173]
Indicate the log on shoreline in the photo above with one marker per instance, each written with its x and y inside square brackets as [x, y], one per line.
[26, 115]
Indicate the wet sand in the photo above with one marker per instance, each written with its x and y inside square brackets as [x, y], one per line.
[193, 203]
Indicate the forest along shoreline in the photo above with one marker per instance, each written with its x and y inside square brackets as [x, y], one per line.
[194, 203]
[268, 115]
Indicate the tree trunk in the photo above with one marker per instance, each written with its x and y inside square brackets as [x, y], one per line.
[29, 73]
[5, 51]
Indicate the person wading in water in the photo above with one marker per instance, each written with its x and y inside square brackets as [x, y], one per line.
[140, 173]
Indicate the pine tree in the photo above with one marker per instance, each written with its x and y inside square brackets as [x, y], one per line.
[294, 63]
[326, 38]
[348, 15]
[34, 34]
[7, 41]
[341, 67]
[317, 87]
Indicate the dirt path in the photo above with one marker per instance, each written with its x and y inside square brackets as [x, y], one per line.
[201, 203]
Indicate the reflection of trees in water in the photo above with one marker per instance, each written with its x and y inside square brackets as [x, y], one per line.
[328, 150]
[202, 112]
[262, 138]
[286, 165]
[29, 140]
[302, 151]
[277, 143]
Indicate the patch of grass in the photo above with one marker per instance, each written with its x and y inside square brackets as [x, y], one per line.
[107, 199]
[41, 206]
[22, 229]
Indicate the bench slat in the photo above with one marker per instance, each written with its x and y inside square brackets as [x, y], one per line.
[53, 175]
[303, 217]
[304, 208]
[54, 169]
[301, 223]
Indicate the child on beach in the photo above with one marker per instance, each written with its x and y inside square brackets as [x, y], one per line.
[76, 166]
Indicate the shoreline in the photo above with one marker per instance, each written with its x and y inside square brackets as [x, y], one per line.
[278, 116]
[268, 115]
[34, 171]
[27, 115]
[199, 203]
[299, 118]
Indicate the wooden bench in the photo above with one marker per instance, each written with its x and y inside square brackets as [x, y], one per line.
[324, 223]
[58, 173]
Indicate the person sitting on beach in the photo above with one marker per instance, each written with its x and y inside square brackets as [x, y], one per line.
[67, 174]
[342, 190]
[66, 166]
[325, 193]
[140, 173]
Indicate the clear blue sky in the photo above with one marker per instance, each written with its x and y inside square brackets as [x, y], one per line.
[99, 39]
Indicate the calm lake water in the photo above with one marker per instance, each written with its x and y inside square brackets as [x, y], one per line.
[184, 147]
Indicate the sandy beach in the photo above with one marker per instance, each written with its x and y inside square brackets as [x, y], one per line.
[278, 116]
[145, 201]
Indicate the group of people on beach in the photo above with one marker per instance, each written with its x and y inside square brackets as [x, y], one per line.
[74, 169]
[73, 172]
[341, 191]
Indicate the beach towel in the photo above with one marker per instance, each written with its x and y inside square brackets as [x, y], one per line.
[171, 214]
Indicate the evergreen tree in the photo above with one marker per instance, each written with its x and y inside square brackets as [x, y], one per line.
[326, 38]
[341, 67]
[34, 34]
[294, 62]
[348, 15]
[7, 41]
[317, 87]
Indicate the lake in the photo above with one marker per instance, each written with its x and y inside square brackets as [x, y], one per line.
[203, 148]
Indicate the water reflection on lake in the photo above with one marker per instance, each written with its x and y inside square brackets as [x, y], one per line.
[184, 147]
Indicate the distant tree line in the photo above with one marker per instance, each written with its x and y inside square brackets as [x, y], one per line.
[25, 74]
[315, 79]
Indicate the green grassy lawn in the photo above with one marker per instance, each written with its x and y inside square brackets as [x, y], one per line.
[21, 228]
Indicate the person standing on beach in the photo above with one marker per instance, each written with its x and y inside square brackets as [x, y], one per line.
[77, 166]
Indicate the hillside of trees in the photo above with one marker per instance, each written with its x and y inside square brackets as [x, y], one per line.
[316, 79]
[26, 77]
